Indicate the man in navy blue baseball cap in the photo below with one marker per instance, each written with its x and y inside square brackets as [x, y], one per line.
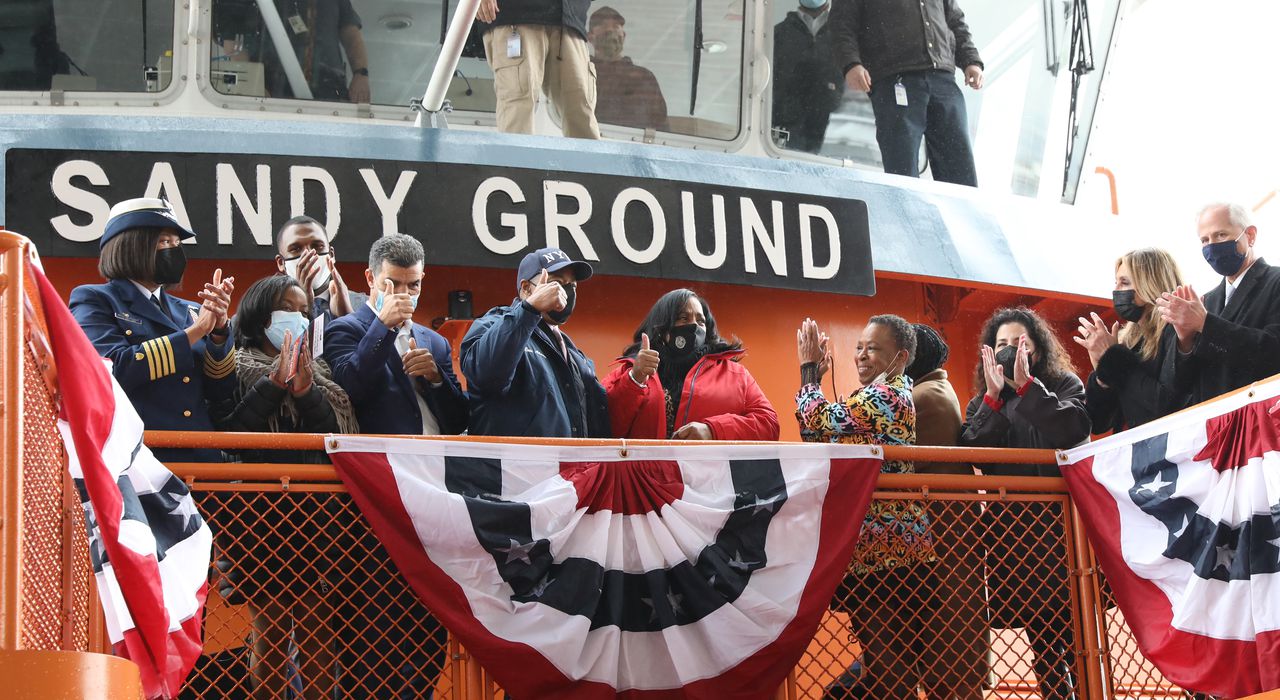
[142, 212]
[525, 376]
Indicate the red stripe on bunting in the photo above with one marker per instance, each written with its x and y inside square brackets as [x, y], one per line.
[1222, 667]
[525, 673]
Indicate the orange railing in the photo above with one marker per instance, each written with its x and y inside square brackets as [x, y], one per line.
[302, 592]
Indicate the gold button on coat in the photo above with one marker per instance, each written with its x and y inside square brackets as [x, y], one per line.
[186, 414]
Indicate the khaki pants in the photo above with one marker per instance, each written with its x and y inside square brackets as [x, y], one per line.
[553, 60]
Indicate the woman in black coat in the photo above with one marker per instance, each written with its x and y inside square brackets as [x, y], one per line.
[1032, 399]
[1124, 390]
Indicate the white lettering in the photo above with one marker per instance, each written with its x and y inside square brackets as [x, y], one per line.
[81, 200]
[256, 213]
[164, 185]
[298, 177]
[619, 225]
[773, 245]
[518, 223]
[719, 250]
[552, 191]
[389, 205]
[809, 212]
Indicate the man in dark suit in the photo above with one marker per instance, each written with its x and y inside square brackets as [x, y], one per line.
[1232, 337]
[303, 252]
[398, 374]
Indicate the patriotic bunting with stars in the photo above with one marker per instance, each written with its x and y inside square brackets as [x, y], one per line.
[690, 571]
[148, 545]
[1184, 515]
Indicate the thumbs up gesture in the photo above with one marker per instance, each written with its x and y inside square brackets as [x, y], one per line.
[393, 309]
[418, 362]
[646, 361]
[547, 294]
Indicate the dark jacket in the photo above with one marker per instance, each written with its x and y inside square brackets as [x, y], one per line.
[629, 95]
[568, 13]
[520, 383]
[170, 382]
[1134, 393]
[806, 77]
[1049, 416]
[361, 352]
[257, 406]
[717, 391]
[1240, 343]
[889, 37]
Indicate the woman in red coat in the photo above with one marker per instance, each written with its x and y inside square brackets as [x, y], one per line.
[680, 380]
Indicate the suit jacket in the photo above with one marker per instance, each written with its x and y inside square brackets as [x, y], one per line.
[1240, 343]
[169, 381]
[361, 352]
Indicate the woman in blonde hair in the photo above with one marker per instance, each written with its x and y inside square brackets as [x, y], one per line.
[1124, 389]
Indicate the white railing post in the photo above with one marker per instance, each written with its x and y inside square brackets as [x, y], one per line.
[433, 101]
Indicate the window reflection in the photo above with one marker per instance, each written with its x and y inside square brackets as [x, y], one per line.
[627, 94]
[107, 45]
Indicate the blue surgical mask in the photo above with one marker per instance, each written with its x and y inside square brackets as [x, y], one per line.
[414, 300]
[1223, 257]
[292, 322]
[813, 4]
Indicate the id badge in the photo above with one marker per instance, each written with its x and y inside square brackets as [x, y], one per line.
[513, 45]
[317, 337]
[900, 94]
[299, 25]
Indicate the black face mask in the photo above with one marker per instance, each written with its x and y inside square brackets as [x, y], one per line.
[571, 298]
[1123, 301]
[1006, 358]
[170, 264]
[686, 341]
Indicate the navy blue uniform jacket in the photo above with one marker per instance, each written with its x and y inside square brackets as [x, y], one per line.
[522, 386]
[168, 380]
[361, 352]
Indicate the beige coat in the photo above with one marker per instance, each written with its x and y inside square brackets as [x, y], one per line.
[938, 419]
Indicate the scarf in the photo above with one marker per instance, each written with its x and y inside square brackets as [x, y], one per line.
[253, 364]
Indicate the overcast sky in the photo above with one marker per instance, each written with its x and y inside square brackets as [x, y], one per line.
[1190, 114]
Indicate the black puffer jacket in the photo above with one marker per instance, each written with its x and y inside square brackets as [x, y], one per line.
[568, 13]
[889, 37]
[1134, 393]
[1049, 415]
[254, 409]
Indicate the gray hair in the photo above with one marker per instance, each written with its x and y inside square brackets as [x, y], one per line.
[396, 248]
[1236, 213]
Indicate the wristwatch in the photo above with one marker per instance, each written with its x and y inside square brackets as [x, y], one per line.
[361, 71]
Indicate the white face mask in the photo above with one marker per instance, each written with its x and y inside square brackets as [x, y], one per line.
[321, 281]
[884, 376]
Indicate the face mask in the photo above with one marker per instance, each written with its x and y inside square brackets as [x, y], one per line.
[170, 264]
[1223, 257]
[1123, 301]
[813, 4]
[321, 281]
[292, 322]
[414, 300]
[1006, 358]
[687, 340]
[884, 376]
[571, 298]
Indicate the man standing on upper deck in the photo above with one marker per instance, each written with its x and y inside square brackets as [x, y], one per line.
[1232, 337]
[540, 46]
[904, 53]
[525, 376]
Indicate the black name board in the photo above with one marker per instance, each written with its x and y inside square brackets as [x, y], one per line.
[471, 215]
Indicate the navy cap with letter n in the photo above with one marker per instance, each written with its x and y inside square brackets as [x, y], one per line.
[551, 260]
[142, 212]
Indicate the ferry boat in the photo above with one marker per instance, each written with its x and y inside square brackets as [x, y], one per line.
[114, 99]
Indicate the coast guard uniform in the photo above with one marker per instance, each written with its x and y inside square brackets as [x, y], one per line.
[167, 379]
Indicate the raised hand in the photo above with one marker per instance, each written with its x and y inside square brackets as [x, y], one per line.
[809, 344]
[1021, 364]
[393, 309]
[646, 363]
[282, 374]
[693, 431]
[339, 299]
[824, 344]
[216, 296]
[418, 362]
[303, 370]
[993, 372]
[309, 265]
[1183, 309]
[547, 295]
[1095, 337]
